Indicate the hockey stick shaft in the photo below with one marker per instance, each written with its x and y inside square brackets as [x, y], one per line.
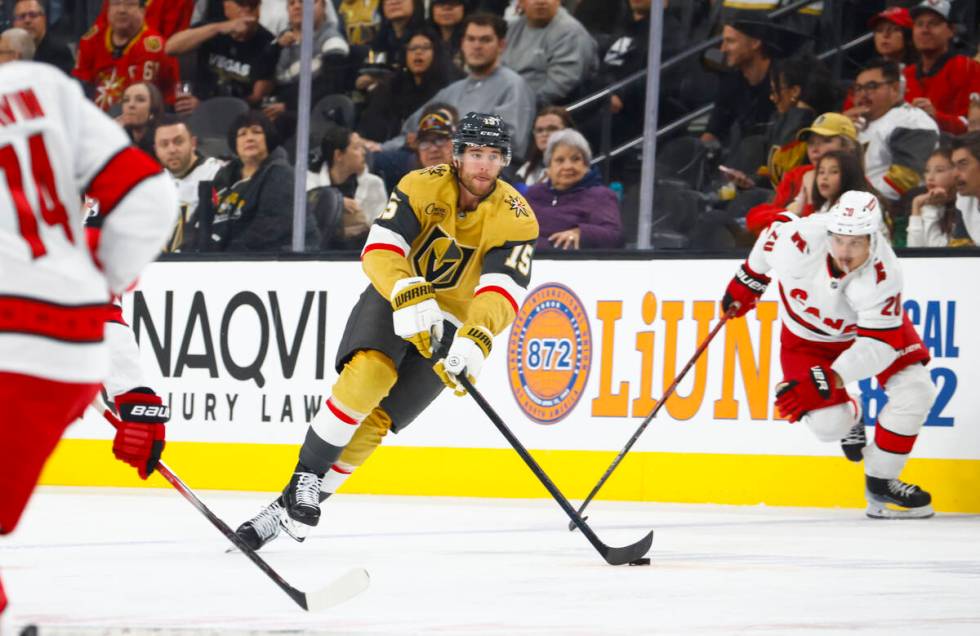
[175, 481]
[614, 556]
[656, 409]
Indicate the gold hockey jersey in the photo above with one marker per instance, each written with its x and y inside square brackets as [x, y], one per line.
[479, 262]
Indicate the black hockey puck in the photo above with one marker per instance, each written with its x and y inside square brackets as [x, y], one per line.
[641, 561]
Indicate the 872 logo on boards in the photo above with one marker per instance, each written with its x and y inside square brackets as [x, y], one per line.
[549, 353]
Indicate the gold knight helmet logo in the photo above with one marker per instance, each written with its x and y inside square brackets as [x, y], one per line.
[440, 260]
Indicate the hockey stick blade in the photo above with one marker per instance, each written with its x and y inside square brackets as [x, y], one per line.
[653, 413]
[613, 556]
[342, 589]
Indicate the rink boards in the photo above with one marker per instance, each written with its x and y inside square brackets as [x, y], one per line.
[243, 351]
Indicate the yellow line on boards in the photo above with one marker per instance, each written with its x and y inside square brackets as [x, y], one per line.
[496, 472]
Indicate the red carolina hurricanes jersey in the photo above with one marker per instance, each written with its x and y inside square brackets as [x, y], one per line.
[111, 70]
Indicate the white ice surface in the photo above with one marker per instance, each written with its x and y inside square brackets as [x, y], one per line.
[105, 561]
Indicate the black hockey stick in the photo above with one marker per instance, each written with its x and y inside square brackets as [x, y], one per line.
[613, 556]
[342, 589]
[656, 409]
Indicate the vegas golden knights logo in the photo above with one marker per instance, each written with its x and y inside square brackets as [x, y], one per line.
[441, 260]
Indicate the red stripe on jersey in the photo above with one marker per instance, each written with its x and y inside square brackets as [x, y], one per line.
[893, 337]
[78, 323]
[755, 273]
[340, 415]
[115, 315]
[893, 442]
[383, 246]
[121, 174]
[792, 314]
[502, 292]
[338, 469]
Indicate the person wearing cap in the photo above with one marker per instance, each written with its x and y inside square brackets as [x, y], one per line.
[897, 137]
[742, 99]
[892, 29]
[829, 132]
[940, 82]
[434, 141]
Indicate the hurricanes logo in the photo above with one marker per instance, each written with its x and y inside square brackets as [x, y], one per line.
[440, 260]
[549, 353]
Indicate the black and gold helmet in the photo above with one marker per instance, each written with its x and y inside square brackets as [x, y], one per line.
[482, 129]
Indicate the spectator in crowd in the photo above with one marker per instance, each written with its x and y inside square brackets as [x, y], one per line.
[932, 218]
[835, 173]
[940, 82]
[236, 57]
[742, 102]
[166, 17]
[551, 50]
[447, 20]
[253, 193]
[400, 18]
[574, 210]
[434, 143]
[829, 132]
[805, 19]
[276, 19]
[330, 52]
[392, 165]
[176, 150]
[628, 54]
[892, 30]
[549, 120]
[427, 70]
[488, 87]
[361, 20]
[125, 51]
[603, 18]
[897, 137]
[966, 163]
[973, 115]
[142, 106]
[16, 45]
[30, 16]
[801, 88]
[363, 194]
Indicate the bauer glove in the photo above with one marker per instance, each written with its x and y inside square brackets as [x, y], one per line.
[140, 431]
[469, 349]
[744, 290]
[417, 317]
[795, 399]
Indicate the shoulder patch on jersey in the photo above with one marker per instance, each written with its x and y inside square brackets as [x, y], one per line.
[153, 43]
[91, 33]
[799, 242]
[518, 205]
[437, 170]
[880, 272]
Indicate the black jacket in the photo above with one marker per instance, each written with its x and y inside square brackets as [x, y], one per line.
[253, 215]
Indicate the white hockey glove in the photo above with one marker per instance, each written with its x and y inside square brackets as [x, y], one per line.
[417, 316]
[469, 349]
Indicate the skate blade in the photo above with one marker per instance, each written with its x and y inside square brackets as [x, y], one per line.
[298, 531]
[877, 510]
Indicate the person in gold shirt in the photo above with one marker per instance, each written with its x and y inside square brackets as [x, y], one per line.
[448, 261]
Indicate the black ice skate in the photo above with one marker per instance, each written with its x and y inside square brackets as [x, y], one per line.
[263, 527]
[301, 500]
[895, 499]
[854, 442]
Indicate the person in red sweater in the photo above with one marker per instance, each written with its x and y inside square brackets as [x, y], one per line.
[940, 82]
[125, 52]
[166, 17]
[829, 132]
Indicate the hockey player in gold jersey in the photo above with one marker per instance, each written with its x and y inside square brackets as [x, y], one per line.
[448, 262]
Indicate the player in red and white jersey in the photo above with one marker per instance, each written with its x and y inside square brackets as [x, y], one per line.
[55, 280]
[840, 292]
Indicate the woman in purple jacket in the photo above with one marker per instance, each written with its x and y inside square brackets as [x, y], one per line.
[574, 210]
